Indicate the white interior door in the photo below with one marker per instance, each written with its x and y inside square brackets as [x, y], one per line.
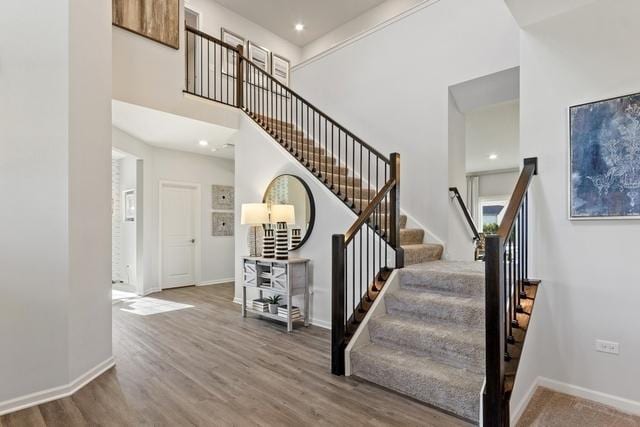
[178, 236]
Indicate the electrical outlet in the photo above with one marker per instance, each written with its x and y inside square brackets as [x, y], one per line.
[607, 347]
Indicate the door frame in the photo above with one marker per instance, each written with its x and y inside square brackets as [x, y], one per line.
[197, 228]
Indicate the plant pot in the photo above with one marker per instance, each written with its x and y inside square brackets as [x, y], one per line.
[273, 308]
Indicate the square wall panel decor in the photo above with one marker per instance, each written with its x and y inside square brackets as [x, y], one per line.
[221, 224]
[605, 159]
[222, 197]
[158, 20]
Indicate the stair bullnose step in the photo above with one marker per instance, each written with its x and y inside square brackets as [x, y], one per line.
[431, 306]
[457, 346]
[459, 277]
[425, 379]
[420, 253]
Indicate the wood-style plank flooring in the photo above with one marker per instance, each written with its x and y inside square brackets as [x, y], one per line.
[208, 366]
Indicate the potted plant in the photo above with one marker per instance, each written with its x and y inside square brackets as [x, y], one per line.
[274, 302]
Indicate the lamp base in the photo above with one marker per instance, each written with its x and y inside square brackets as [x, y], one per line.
[254, 240]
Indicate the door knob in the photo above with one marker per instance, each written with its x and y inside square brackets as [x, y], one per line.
[193, 240]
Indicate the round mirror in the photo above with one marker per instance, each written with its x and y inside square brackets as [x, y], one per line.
[291, 190]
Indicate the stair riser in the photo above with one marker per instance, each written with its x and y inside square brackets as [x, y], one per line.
[436, 310]
[461, 284]
[411, 236]
[426, 342]
[422, 254]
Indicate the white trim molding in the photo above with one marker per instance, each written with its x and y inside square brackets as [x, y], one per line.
[620, 403]
[55, 393]
[216, 282]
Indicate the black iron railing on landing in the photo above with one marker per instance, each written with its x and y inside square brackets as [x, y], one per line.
[365, 180]
[509, 296]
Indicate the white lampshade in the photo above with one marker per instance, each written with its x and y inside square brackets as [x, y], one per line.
[283, 213]
[254, 214]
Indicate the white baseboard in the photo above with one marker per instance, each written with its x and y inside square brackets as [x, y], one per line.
[517, 413]
[620, 403]
[151, 291]
[216, 282]
[315, 322]
[55, 393]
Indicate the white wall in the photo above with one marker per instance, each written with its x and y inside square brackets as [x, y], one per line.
[500, 183]
[258, 161]
[588, 269]
[357, 26]
[391, 89]
[460, 244]
[217, 253]
[55, 80]
[494, 129]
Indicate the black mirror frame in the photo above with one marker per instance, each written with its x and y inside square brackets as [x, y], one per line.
[312, 206]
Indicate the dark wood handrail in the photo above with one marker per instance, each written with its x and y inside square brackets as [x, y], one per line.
[294, 93]
[371, 207]
[465, 211]
[528, 171]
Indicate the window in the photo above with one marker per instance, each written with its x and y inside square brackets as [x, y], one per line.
[491, 212]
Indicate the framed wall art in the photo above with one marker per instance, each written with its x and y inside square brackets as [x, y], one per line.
[280, 68]
[129, 202]
[222, 197]
[229, 61]
[258, 55]
[604, 159]
[158, 20]
[221, 224]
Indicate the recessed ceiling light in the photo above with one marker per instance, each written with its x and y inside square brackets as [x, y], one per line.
[299, 27]
[213, 150]
[203, 143]
[493, 156]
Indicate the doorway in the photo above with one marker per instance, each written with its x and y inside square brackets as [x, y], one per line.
[126, 223]
[179, 234]
[192, 19]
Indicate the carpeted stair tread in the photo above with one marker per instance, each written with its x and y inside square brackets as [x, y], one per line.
[460, 277]
[422, 378]
[448, 343]
[434, 306]
[411, 236]
[423, 252]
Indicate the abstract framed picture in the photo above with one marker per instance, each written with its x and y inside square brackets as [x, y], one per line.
[229, 60]
[604, 159]
[158, 20]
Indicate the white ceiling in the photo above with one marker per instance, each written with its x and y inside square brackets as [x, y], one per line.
[318, 16]
[166, 130]
[487, 90]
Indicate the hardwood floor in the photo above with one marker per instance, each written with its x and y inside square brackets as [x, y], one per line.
[207, 366]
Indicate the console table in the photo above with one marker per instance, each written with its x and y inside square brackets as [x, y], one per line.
[288, 278]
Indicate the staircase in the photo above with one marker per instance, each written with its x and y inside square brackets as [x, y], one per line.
[430, 342]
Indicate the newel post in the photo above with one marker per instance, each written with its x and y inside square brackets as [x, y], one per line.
[338, 321]
[239, 78]
[394, 210]
[495, 406]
